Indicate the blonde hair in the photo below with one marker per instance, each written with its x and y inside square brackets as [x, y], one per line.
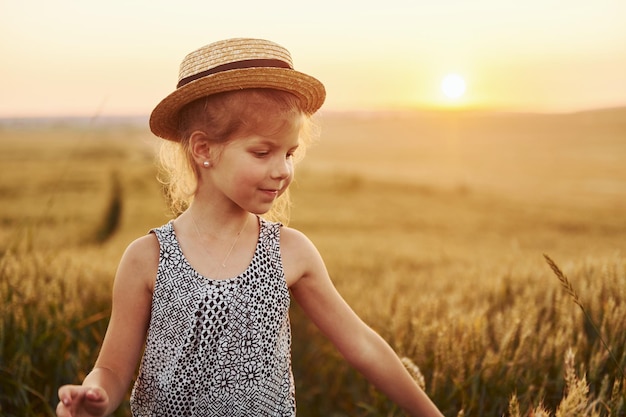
[223, 117]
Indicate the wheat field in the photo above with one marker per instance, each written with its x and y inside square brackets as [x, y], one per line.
[434, 227]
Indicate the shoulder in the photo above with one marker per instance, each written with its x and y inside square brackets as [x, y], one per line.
[141, 260]
[299, 255]
[293, 241]
[143, 250]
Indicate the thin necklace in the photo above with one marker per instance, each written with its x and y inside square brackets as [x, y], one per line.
[195, 225]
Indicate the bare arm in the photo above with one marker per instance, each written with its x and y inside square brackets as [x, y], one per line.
[104, 388]
[363, 348]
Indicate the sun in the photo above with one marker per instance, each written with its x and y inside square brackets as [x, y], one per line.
[453, 86]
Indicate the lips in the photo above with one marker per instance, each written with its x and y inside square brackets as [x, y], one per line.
[274, 190]
[270, 191]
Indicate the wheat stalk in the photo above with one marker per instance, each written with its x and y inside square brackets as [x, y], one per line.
[415, 372]
[565, 282]
[569, 288]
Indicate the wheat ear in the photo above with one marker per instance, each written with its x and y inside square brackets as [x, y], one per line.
[565, 283]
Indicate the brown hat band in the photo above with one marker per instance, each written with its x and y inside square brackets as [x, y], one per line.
[248, 63]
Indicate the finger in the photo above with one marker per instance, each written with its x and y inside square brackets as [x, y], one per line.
[94, 395]
[62, 410]
[65, 408]
[67, 393]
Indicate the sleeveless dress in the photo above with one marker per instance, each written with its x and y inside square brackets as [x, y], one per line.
[218, 348]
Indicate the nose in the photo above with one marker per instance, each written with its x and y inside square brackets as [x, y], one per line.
[282, 168]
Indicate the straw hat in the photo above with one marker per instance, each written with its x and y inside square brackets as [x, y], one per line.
[234, 64]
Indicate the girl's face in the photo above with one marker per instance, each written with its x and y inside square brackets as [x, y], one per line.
[255, 169]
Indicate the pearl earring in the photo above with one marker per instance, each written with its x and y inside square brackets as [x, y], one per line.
[206, 164]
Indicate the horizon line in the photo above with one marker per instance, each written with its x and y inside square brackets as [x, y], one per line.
[396, 110]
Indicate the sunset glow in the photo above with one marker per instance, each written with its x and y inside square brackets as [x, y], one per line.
[453, 86]
[73, 58]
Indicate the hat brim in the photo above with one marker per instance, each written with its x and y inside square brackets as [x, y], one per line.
[164, 117]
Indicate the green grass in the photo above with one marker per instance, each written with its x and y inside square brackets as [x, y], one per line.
[432, 229]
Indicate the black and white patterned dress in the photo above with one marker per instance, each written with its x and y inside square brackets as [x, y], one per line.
[217, 347]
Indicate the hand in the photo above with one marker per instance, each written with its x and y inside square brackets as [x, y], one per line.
[79, 401]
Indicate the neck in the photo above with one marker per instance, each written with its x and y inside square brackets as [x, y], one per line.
[215, 220]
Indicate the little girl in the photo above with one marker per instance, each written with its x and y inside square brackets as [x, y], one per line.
[202, 302]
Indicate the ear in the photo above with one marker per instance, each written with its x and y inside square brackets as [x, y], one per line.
[200, 147]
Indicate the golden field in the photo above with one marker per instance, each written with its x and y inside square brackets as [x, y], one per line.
[433, 227]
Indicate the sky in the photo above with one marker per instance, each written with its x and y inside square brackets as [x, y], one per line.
[121, 57]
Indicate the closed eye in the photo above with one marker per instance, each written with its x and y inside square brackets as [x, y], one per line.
[291, 152]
